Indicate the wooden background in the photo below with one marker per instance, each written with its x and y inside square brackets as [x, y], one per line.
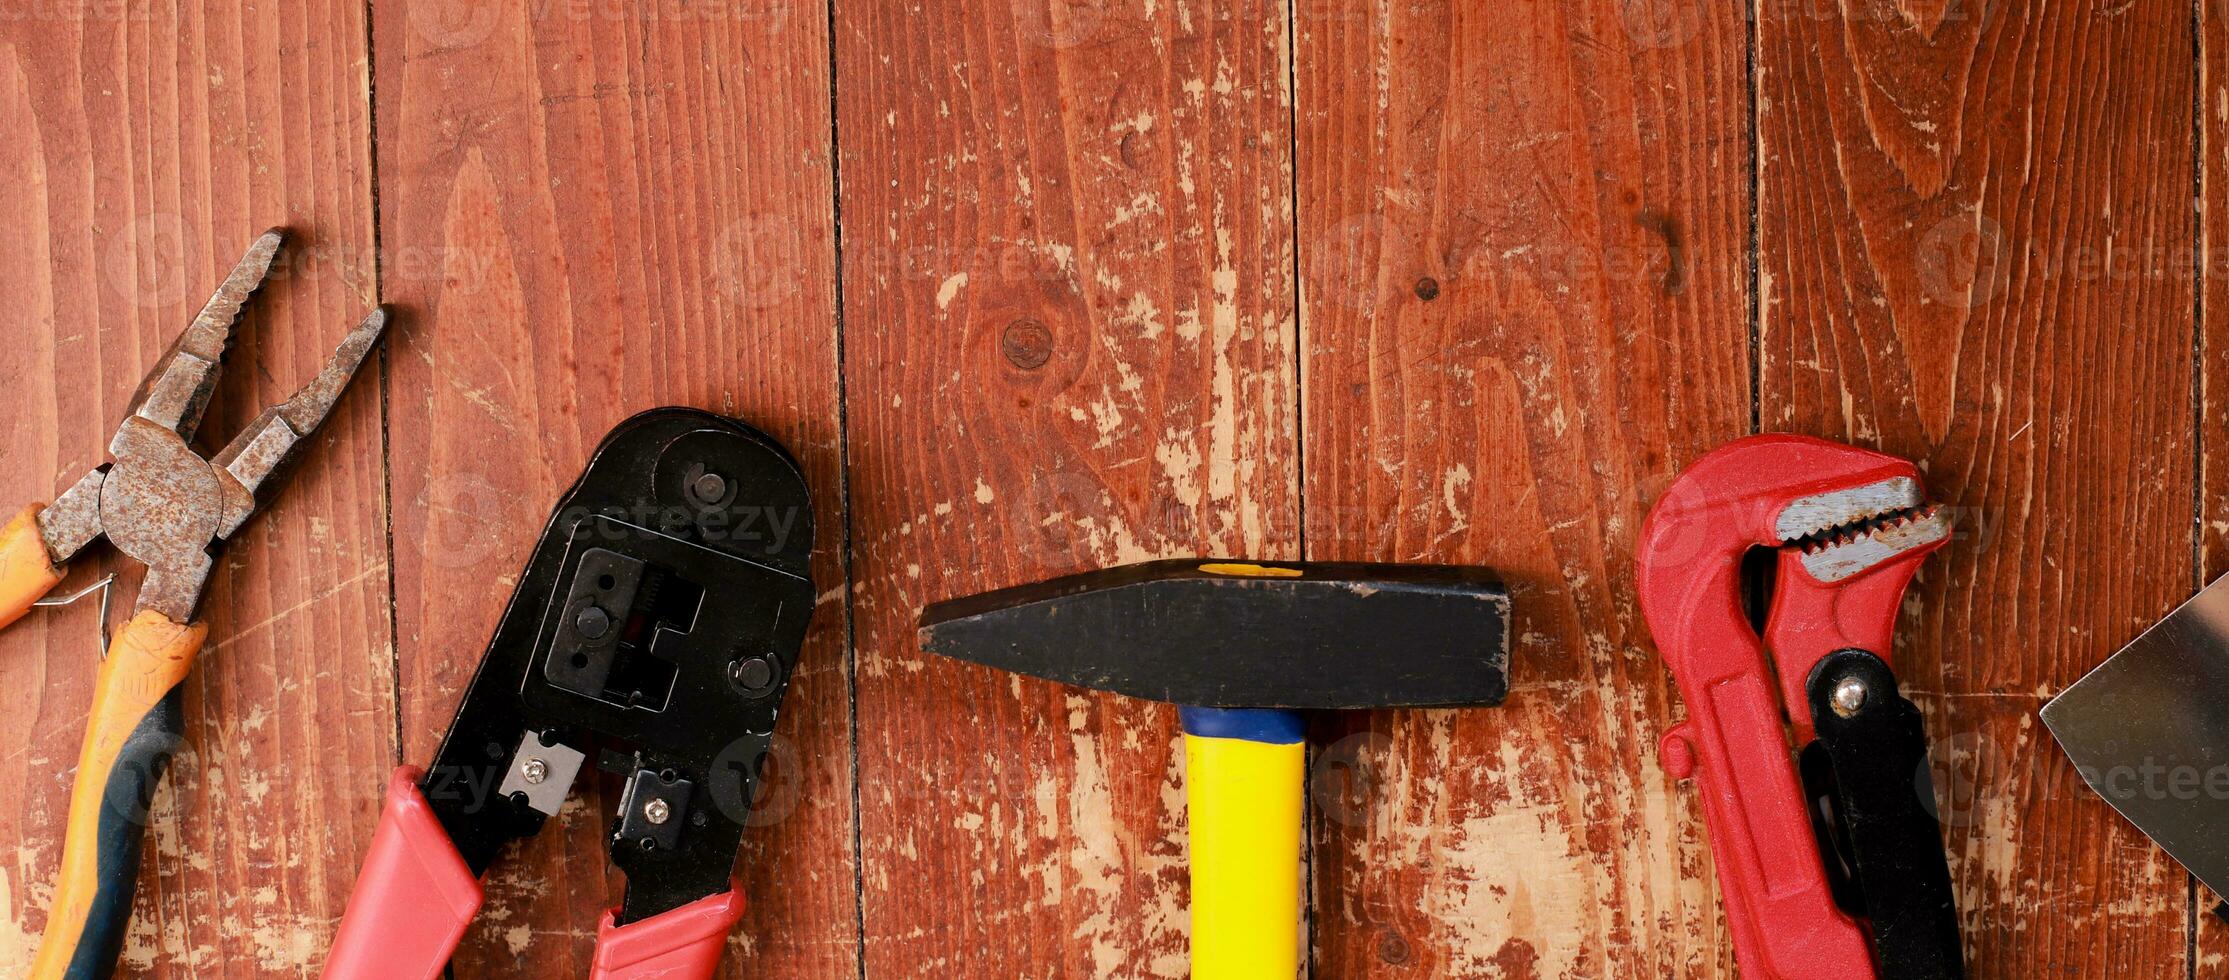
[1039, 285]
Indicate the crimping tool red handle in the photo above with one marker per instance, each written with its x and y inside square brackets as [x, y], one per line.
[417, 896]
[1851, 529]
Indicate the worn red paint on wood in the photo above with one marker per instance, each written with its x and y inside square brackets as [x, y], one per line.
[2211, 945]
[1522, 241]
[1971, 222]
[1069, 343]
[144, 153]
[596, 212]
[1126, 279]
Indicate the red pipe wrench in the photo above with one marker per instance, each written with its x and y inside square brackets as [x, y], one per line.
[1829, 855]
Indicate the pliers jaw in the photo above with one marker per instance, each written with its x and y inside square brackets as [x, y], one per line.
[157, 500]
[1850, 528]
[259, 458]
[176, 393]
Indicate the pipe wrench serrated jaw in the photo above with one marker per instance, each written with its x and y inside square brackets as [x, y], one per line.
[1850, 528]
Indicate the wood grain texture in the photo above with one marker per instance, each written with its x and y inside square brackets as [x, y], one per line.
[2210, 947]
[145, 148]
[1522, 245]
[591, 210]
[1122, 279]
[1069, 343]
[1975, 253]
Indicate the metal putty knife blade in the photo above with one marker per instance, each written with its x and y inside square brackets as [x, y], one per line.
[2149, 731]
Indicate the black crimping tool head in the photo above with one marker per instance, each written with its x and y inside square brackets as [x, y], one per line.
[654, 633]
[657, 625]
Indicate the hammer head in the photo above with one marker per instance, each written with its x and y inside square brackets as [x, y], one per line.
[1226, 634]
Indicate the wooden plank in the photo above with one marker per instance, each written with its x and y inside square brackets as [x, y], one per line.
[593, 210]
[1069, 343]
[1975, 253]
[2211, 943]
[145, 148]
[1523, 233]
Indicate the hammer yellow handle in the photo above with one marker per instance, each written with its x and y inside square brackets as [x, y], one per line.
[1245, 800]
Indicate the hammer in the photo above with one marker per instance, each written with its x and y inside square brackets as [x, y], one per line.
[1243, 648]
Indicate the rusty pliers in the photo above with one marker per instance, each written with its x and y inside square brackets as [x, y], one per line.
[163, 505]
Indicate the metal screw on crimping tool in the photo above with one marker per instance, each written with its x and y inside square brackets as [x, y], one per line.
[709, 489]
[657, 812]
[535, 771]
[754, 675]
[593, 623]
[1849, 696]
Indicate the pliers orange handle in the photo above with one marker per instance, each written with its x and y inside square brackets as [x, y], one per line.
[27, 572]
[160, 503]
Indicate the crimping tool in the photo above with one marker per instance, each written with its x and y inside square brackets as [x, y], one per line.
[159, 502]
[1838, 870]
[657, 625]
